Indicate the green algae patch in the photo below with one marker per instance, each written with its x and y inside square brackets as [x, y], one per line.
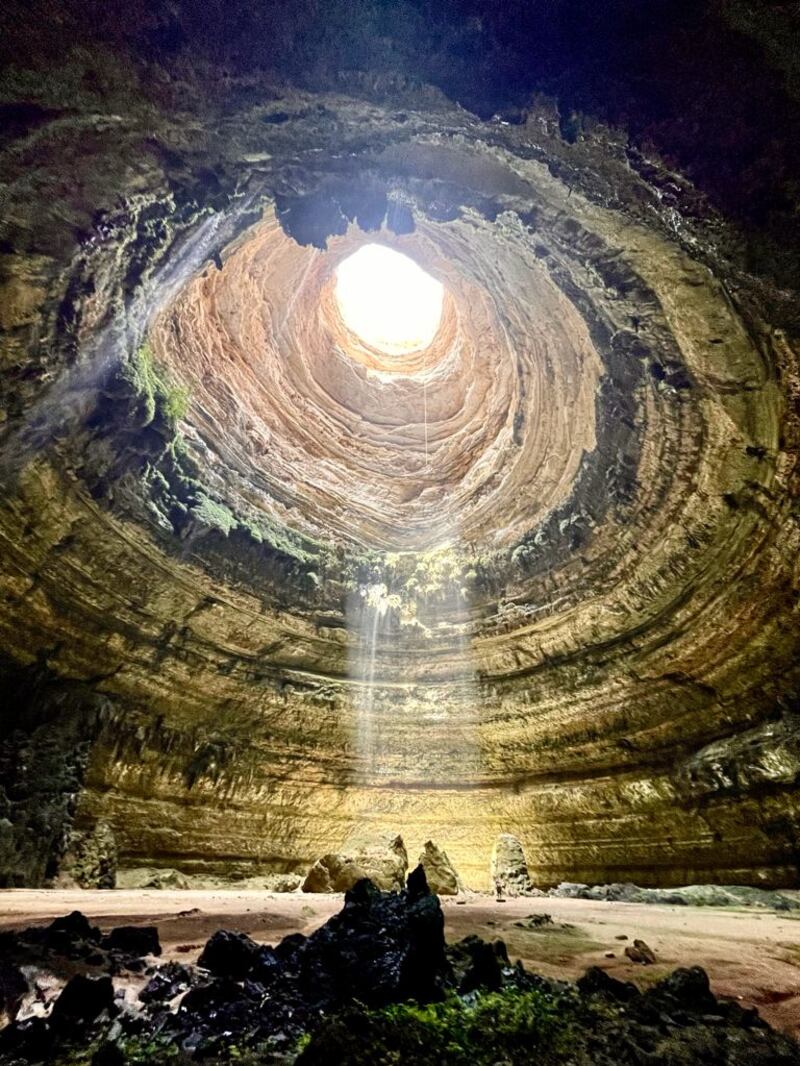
[155, 393]
[507, 1026]
[213, 514]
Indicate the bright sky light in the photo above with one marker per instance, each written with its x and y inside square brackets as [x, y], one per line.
[389, 301]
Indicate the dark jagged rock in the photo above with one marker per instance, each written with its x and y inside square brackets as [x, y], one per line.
[74, 925]
[71, 936]
[597, 982]
[73, 939]
[13, 987]
[81, 1002]
[476, 964]
[417, 883]
[133, 940]
[229, 954]
[689, 988]
[380, 948]
[167, 982]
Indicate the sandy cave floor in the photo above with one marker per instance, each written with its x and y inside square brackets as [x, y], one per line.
[750, 955]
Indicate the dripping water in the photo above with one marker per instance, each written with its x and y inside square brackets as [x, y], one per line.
[373, 634]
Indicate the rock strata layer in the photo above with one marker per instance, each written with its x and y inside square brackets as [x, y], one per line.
[265, 587]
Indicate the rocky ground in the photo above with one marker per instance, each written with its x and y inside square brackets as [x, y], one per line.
[148, 993]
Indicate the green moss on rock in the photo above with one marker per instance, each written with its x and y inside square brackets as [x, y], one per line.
[213, 514]
[154, 393]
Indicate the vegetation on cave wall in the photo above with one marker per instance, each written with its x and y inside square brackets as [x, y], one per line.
[155, 393]
[172, 119]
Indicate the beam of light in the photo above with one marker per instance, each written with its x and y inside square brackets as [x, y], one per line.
[387, 300]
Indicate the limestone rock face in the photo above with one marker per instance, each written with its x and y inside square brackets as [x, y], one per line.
[264, 586]
[384, 861]
[333, 873]
[91, 860]
[439, 873]
[163, 878]
[509, 868]
[282, 882]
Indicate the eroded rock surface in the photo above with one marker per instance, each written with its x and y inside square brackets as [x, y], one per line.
[509, 868]
[384, 861]
[439, 873]
[263, 586]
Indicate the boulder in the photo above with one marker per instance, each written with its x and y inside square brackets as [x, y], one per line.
[81, 1002]
[229, 954]
[333, 873]
[382, 860]
[71, 935]
[74, 926]
[164, 879]
[570, 890]
[596, 982]
[688, 988]
[133, 940]
[441, 877]
[640, 952]
[509, 868]
[144, 877]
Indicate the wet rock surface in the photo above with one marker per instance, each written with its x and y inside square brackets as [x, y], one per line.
[378, 980]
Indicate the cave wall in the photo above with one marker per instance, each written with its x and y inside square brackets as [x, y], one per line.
[593, 639]
[49, 731]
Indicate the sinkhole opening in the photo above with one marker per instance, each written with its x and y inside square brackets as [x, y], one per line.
[388, 300]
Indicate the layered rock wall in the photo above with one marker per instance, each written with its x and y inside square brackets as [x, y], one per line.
[580, 501]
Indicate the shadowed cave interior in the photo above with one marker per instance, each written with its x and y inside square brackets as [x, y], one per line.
[398, 440]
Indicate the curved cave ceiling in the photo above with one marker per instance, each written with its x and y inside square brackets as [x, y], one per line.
[539, 576]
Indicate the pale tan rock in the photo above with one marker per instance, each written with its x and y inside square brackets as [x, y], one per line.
[163, 879]
[282, 882]
[383, 860]
[509, 869]
[439, 873]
